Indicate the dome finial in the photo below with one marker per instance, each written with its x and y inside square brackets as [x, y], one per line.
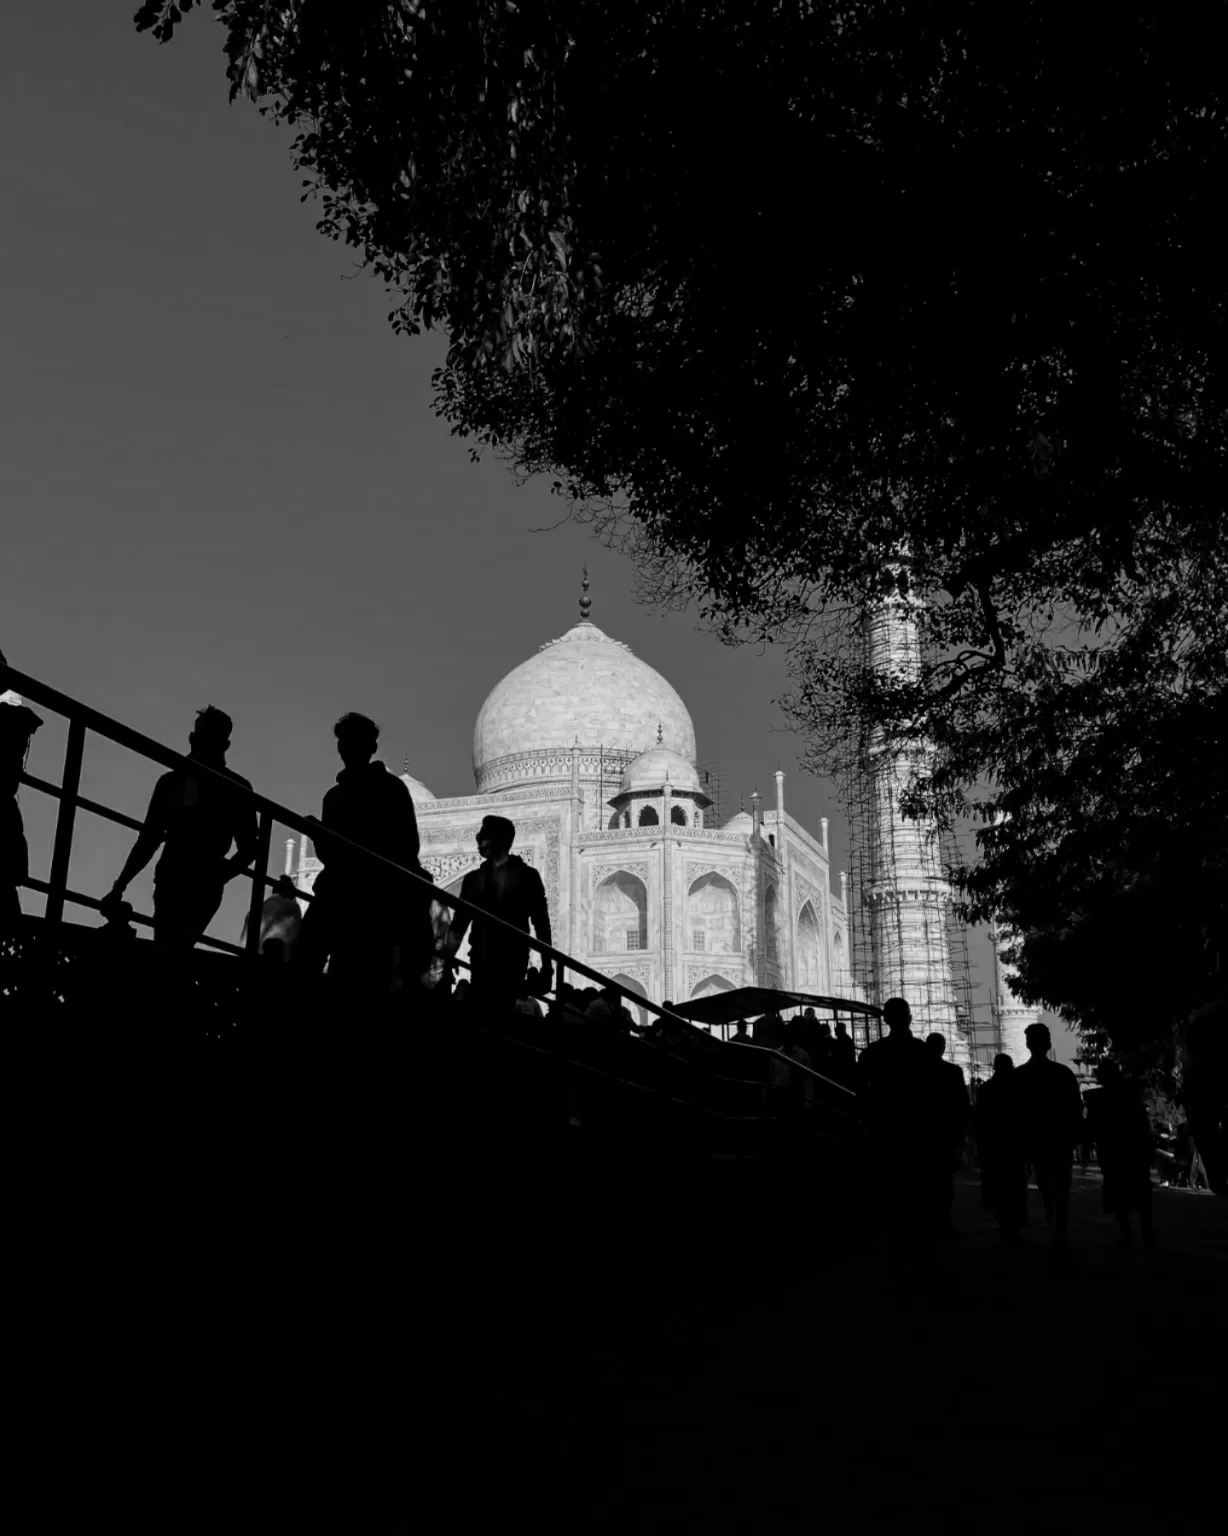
[586, 601]
[660, 736]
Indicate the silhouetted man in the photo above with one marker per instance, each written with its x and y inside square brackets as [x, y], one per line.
[1004, 1183]
[508, 888]
[801, 1084]
[372, 925]
[844, 1053]
[956, 1109]
[741, 1035]
[194, 818]
[901, 1102]
[824, 1049]
[1117, 1123]
[1050, 1109]
[18, 723]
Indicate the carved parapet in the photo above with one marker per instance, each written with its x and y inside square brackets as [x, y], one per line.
[935, 892]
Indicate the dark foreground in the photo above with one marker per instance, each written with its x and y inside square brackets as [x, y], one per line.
[347, 1293]
[1006, 1397]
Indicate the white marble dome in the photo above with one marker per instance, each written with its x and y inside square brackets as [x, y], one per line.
[652, 768]
[585, 688]
[418, 792]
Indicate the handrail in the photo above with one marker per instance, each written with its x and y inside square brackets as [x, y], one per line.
[770, 1050]
[79, 899]
[86, 718]
[145, 746]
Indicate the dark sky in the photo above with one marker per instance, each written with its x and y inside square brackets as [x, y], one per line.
[220, 475]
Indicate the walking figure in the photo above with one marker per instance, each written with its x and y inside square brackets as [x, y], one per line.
[900, 1091]
[955, 1113]
[1004, 1182]
[1117, 1123]
[18, 723]
[194, 818]
[371, 925]
[508, 888]
[1050, 1109]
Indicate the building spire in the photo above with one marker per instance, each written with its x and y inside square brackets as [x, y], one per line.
[660, 735]
[586, 601]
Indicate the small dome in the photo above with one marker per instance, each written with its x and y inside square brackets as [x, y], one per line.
[742, 822]
[652, 768]
[418, 792]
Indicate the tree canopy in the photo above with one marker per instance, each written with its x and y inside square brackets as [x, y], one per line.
[776, 292]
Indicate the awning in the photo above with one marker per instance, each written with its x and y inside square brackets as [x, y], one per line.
[751, 1002]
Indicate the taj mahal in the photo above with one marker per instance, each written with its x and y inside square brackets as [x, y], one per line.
[592, 754]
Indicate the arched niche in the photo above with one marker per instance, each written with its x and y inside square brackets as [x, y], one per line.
[770, 920]
[712, 918]
[648, 817]
[839, 960]
[710, 986]
[638, 1014]
[809, 951]
[620, 915]
[677, 816]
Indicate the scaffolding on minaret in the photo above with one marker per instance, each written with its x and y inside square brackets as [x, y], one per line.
[905, 936]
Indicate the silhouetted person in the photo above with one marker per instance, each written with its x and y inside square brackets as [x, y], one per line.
[370, 924]
[824, 1050]
[280, 921]
[770, 1031]
[900, 1092]
[1050, 1110]
[18, 723]
[194, 818]
[801, 1084]
[955, 1114]
[741, 1035]
[1004, 1183]
[844, 1053]
[1117, 1122]
[508, 888]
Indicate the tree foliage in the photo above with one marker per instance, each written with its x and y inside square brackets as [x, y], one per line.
[778, 291]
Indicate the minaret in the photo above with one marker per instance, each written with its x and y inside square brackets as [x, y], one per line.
[905, 891]
[1010, 1016]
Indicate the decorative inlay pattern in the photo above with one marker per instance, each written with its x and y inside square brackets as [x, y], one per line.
[604, 871]
[554, 763]
[697, 973]
[804, 892]
[640, 973]
[696, 836]
[443, 868]
[696, 871]
[547, 795]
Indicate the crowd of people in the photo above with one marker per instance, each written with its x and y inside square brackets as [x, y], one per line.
[1029, 1123]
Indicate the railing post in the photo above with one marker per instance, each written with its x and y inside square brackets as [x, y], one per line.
[61, 853]
[264, 846]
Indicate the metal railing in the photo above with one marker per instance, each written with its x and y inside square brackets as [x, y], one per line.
[82, 720]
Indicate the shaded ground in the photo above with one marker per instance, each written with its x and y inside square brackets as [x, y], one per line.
[1007, 1397]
